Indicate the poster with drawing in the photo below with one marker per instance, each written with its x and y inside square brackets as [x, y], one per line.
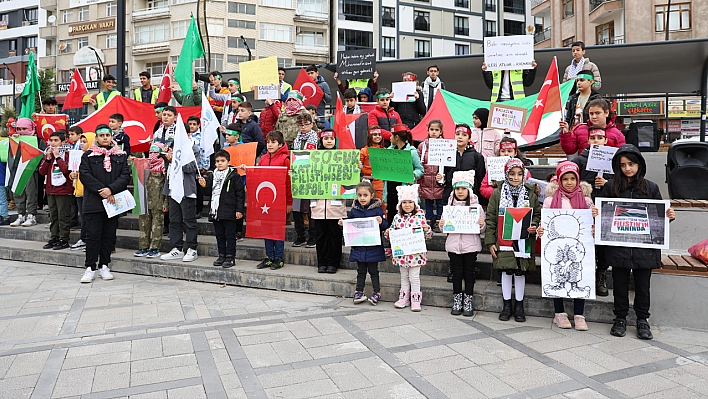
[407, 241]
[567, 254]
[361, 232]
[461, 219]
[638, 223]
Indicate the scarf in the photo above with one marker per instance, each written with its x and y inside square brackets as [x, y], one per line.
[163, 136]
[429, 88]
[292, 106]
[514, 196]
[106, 152]
[157, 163]
[219, 179]
[574, 69]
[302, 139]
[576, 197]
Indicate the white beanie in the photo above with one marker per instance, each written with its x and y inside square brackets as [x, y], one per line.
[407, 193]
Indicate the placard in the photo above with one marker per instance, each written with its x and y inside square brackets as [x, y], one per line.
[495, 168]
[507, 117]
[242, 154]
[75, 159]
[266, 92]
[403, 92]
[600, 158]
[324, 174]
[636, 223]
[391, 165]
[261, 72]
[441, 152]
[542, 184]
[356, 64]
[362, 232]
[461, 219]
[508, 52]
[407, 241]
[124, 202]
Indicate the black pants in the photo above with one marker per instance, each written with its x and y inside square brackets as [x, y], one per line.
[82, 219]
[200, 199]
[329, 242]
[75, 210]
[238, 228]
[391, 199]
[185, 212]
[642, 282]
[600, 256]
[578, 306]
[100, 236]
[225, 231]
[463, 269]
[373, 269]
[299, 221]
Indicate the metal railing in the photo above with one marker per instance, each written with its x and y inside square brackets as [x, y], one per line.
[611, 40]
[462, 31]
[422, 26]
[596, 3]
[542, 35]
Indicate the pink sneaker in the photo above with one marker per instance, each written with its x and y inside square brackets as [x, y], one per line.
[580, 323]
[388, 252]
[416, 297]
[561, 320]
[404, 299]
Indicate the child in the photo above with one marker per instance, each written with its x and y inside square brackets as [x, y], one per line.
[152, 223]
[232, 135]
[373, 139]
[409, 216]
[59, 189]
[568, 192]
[629, 182]
[85, 141]
[383, 115]
[462, 249]
[276, 155]
[484, 139]
[327, 213]
[507, 147]
[513, 193]
[467, 159]
[226, 206]
[576, 107]
[306, 139]
[250, 131]
[350, 101]
[195, 134]
[312, 109]
[4, 215]
[27, 201]
[367, 258]
[115, 122]
[430, 190]
[165, 134]
[74, 140]
[401, 140]
[599, 115]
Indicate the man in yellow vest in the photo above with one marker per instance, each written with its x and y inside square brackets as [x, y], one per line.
[508, 85]
[102, 98]
[146, 93]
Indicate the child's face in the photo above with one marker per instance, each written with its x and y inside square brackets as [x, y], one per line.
[569, 182]
[243, 113]
[54, 141]
[434, 131]
[221, 163]
[104, 139]
[461, 193]
[231, 139]
[50, 108]
[313, 112]
[408, 206]
[377, 138]
[193, 126]
[462, 138]
[351, 102]
[364, 196]
[598, 116]
[628, 168]
[84, 144]
[584, 84]
[476, 121]
[384, 102]
[114, 124]
[74, 137]
[168, 118]
[304, 126]
[597, 139]
[507, 152]
[233, 87]
[516, 176]
[328, 142]
[273, 146]
[364, 98]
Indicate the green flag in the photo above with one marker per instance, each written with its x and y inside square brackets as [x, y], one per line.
[31, 87]
[192, 49]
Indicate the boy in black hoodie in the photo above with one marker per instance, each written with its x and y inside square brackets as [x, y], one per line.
[250, 131]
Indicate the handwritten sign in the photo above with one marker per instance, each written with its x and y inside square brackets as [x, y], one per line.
[600, 158]
[461, 219]
[356, 64]
[441, 152]
[363, 232]
[324, 174]
[403, 92]
[124, 202]
[75, 159]
[507, 117]
[407, 241]
[242, 154]
[265, 92]
[542, 184]
[261, 72]
[391, 165]
[495, 168]
[508, 52]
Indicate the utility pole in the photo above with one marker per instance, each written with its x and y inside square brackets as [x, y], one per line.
[666, 25]
[120, 46]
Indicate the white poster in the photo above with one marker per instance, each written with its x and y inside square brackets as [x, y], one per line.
[495, 168]
[124, 202]
[542, 184]
[407, 241]
[508, 52]
[600, 158]
[265, 92]
[441, 152]
[567, 253]
[362, 232]
[403, 92]
[635, 223]
[75, 159]
[461, 219]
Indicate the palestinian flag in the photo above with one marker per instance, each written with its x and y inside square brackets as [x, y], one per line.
[13, 153]
[25, 161]
[300, 157]
[516, 223]
[347, 191]
[140, 172]
[639, 213]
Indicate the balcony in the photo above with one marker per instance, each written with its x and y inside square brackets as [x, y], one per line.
[151, 13]
[462, 3]
[545, 34]
[48, 62]
[604, 10]
[312, 50]
[151, 48]
[459, 30]
[48, 32]
[611, 40]
[303, 15]
[50, 5]
[515, 8]
[541, 4]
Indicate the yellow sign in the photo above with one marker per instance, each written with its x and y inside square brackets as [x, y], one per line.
[684, 114]
[263, 72]
[77, 29]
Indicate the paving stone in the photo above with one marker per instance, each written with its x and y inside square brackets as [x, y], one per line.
[27, 364]
[400, 390]
[485, 382]
[290, 351]
[303, 390]
[337, 350]
[176, 345]
[645, 355]
[111, 376]
[266, 338]
[146, 348]
[346, 376]
[577, 363]
[302, 329]
[680, 392]
[326, 340]
[150, 395]
[426, 354]
[163, 363]
[585, 393]
[453, 386]
[642, 385]
[193, 392]
[171, 374]
[262, 355]
[291, 377]
[95, 360]
[74, 382]
[95, 349]
[532, 379]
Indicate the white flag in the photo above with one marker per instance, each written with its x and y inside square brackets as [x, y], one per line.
[181, 155]
[210, 124]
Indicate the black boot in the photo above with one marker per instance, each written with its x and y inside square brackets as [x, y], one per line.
[643, 329]
[519, 314]
[468, 309]
[601, 283]
[456, 304]
[505, 314]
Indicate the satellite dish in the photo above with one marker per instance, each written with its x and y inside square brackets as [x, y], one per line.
[531, 29]
[62, 47]
[52, 19]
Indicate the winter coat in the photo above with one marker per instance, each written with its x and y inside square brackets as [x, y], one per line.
[552, 187]
[588, 176]
[410, 113]
[416, 220]
[46, 168]
[280, 158]
[385, 119]
[576, 140]
[589, 66]
[252, 133]
[326, 98]
[328, 209]
[269, 118]
[429, 188]
[233, 196]
[192, 99]
[573, 102]
[374, 253]
[417, 168]
[486, 141]
[464, 243]
[94, 178]
[631, 257]
[486, 188]
[505, 259]
[470, 159]
[123, 140]
[288, 126]
[366, 172]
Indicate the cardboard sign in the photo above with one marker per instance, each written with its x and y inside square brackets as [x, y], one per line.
[124, 202]
[261, 72]
[600, 158]
[461, 219]
[356, 64]
[324, 174]
[407, 241]
[634, 223]
[363, 232]
[75, 159]
[508, 52]
[242, 154]
[403, 92]
[507, 117]
[441, 152]
[495, 168]
[391, 165]
[265, 92]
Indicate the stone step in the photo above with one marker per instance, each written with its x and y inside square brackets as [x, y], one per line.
[295, 278]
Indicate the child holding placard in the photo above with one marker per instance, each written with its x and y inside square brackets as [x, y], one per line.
[59, 189]
[430, 190]
[409, 216]
[373, 140]
[85, 141]
[463, 248]
[508, 147]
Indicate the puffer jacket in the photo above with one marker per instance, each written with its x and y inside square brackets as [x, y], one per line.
[385, 119]
[464, 243]
[631, 257]
[588, 176]
[470, 159]
[411, 113]
[288, 126]
[576, 140]
[429, 187]
[269, 118]
[328, 209]
[486, 141]
[233, 196]
[94, 177]
[46, 168]
[373, 253]
[417, 168]
[251, 133]
[552, 187]
[280, 158]
[415, 220]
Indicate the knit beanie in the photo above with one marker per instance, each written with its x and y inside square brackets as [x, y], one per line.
[407, 193]
[463, 179]
[567, 167]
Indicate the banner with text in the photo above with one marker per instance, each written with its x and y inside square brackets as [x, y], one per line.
[508, 52]
[391, 165]
[324, 174]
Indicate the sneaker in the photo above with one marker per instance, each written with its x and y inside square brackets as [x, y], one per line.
[619, 329]
[219, 261]
[643, 329]
[51, 243]
[311, 244]
[61, 244]
[139, 253]
[359, 297]
[331, 269]
[79, 245]
[174, 254]
[265, 263]
[18, 222]
[277, 264]
[105, 273]
[239, 237]
[4, 221]
[580, 323]
[88, 275]
[321, 269]
[228, 262]
[561, 320]
[299, 242]
[190, 255]
[29, 221]
[153, 253]
[374, 299]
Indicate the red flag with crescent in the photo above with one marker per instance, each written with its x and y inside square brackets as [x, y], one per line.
[48, 123]
[77, 91]
[343, 125]
[266, 203]
[308, 88]
[165, 87]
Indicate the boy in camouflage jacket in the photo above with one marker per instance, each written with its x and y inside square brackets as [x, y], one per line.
[152, 223]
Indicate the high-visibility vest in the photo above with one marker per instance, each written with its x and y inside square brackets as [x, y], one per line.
[516, 78]
[153, 99]
[358, 84]
[101, 100]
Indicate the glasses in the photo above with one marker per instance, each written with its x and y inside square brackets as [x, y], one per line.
[304, 124]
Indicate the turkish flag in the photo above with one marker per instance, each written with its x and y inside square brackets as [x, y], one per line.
[139, 120]
[165, 87]
[266, 202]
[48, 123]
[308, 88]
[186, 112]
[344, 126]
[549, 100]
[77, 91]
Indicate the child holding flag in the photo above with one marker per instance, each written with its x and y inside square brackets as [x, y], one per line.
[153, 221]
[59, 189]
[85, 141]
[27, 201]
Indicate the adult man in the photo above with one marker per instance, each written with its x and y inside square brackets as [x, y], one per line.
[109, 92]
[327, 98]
[509, 84]
[285, 87]
[191, 99]
[581, 63]
[432, 86]
[146, 93]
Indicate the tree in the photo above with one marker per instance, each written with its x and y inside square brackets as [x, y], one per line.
[47, 84]
[7, 113]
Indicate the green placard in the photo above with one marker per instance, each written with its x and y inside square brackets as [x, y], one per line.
[634, 108]
[324, 174]
[4, 148]
[391, 165]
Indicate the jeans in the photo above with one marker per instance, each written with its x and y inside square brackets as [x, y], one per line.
[100, 237]
[463, 266]
[225, 231]
[185, 212]
[373, 269]
[431, 205]
[275, 249]
[60, 215]
[578, 306]
[3, 202]
[642, 284]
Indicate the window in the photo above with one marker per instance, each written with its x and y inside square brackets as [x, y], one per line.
[355, 39]
[315, 6]
[156, 68]
[237, 23]
[388, 18]
[111, 40]
[490, 5]
[111, 9]
[280, 33]
[422, 49]
[569, 41]
[278, 3]
[153, 4]
[679, 17]
[462, 26]
[82, 42]
[65, 76]
[181, 1]
[152, 33]
[358, 10]
[285, 62]
[83, 14]
[236, 59]
[216, 62]
[12, 44]
[421, 20]
[490, 28]
[241, 8]
[31, 42]
[462, 49]
[236, 42]
[31, 16]
[179, 29]
[310, 38]
[605, 33]
[67, 16]
[515, 6]
[66, 47]
[568, 8]
[462, 3]
[388, 47]
[513, 28]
